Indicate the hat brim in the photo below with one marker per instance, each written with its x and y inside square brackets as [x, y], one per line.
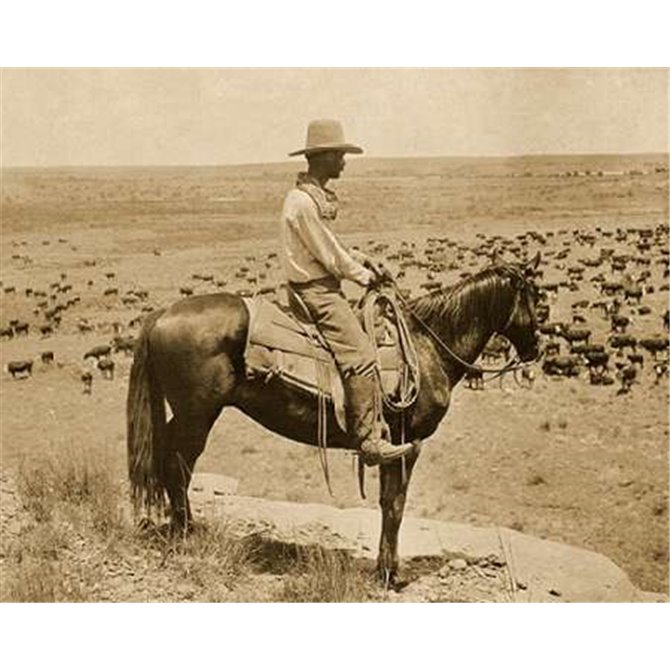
[346, 148]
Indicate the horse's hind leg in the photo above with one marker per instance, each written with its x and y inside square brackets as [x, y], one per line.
[392, 496]
[186, 438]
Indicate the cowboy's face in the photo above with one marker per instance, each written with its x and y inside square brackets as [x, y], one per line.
[331, 163]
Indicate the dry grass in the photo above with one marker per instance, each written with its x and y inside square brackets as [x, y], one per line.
[211, 559]
[53, 484]
[323, 576]
[69, 502]
[80, 544]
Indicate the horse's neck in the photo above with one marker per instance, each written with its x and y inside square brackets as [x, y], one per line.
[465, 334]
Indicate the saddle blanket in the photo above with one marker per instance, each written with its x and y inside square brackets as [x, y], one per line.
[280, 345]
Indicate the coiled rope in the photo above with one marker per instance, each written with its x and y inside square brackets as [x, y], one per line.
[409, 384]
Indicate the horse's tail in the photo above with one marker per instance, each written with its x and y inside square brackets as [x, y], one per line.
[145, 414]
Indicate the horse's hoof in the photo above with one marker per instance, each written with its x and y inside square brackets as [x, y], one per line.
[183, 528]
[145, 525]
[388, 578]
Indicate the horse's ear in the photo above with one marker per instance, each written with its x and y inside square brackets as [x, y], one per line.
[531, 266]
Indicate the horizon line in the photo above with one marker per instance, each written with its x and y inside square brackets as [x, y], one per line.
[289, 161]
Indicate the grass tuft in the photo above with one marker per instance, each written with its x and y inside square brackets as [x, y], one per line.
[326, 576]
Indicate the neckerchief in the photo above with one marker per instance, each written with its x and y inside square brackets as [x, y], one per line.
[325, 199]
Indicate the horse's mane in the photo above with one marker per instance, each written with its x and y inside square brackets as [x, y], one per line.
[482, 294]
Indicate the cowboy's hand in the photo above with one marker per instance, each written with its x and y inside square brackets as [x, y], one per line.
[382, 273]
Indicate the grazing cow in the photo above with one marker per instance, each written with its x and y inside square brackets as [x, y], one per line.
[561, 366]
[633, 293]
[6, 333]
[596, 359]
[106, 367]
[621, 342]
[110, 291]
[552, 348]
[474, 380]
[580, 349]
[46, 330]
[580, 304]
[619, 323]
[84, 327]
[20, 369]
[549, 288]
[655, 345]
[98, 352]
[636, 359]
[599, 378]
[125, 344]
[552, 329]
[611, 287]
[574, 335]
[47, 357]
[87, 379]
[185, 291]
[21, 327]
[627, 376]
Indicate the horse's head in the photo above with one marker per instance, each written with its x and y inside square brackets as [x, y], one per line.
[521, 325]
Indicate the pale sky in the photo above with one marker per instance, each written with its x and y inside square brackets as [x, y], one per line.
[220, 116]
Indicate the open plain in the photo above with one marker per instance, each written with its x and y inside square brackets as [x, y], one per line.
[85, 253]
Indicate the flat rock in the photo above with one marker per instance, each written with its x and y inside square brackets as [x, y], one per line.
[549, 571]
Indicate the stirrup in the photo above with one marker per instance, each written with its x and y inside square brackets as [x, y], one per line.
[386, 454]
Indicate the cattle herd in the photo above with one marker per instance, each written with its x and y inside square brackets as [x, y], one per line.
[602, 311]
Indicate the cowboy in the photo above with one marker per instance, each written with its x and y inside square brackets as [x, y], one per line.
[314, 263]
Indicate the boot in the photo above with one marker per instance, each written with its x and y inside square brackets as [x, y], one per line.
[362, 424]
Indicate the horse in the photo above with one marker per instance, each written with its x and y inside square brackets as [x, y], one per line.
[192, 356]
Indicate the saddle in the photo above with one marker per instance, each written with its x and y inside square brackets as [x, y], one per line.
[284, 345]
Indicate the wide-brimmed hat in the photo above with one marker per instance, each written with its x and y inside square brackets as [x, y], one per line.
[326, 135]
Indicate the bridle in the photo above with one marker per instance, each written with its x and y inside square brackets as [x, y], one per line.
[514, 364]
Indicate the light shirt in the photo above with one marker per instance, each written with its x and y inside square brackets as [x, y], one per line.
[309, 249]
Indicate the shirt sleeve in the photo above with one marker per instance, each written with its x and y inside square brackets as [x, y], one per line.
[321, 242]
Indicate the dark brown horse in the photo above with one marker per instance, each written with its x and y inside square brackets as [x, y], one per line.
[192, 356]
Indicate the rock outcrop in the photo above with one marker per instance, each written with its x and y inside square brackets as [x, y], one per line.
[526, 568]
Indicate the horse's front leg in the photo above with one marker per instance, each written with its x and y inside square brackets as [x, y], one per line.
[394, 480]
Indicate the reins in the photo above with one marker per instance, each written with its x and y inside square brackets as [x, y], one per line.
[514, 364]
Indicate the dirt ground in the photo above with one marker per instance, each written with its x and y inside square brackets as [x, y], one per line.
[562, 460]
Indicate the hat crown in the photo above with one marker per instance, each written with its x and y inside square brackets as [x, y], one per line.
[326, 135]
[323, 132]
